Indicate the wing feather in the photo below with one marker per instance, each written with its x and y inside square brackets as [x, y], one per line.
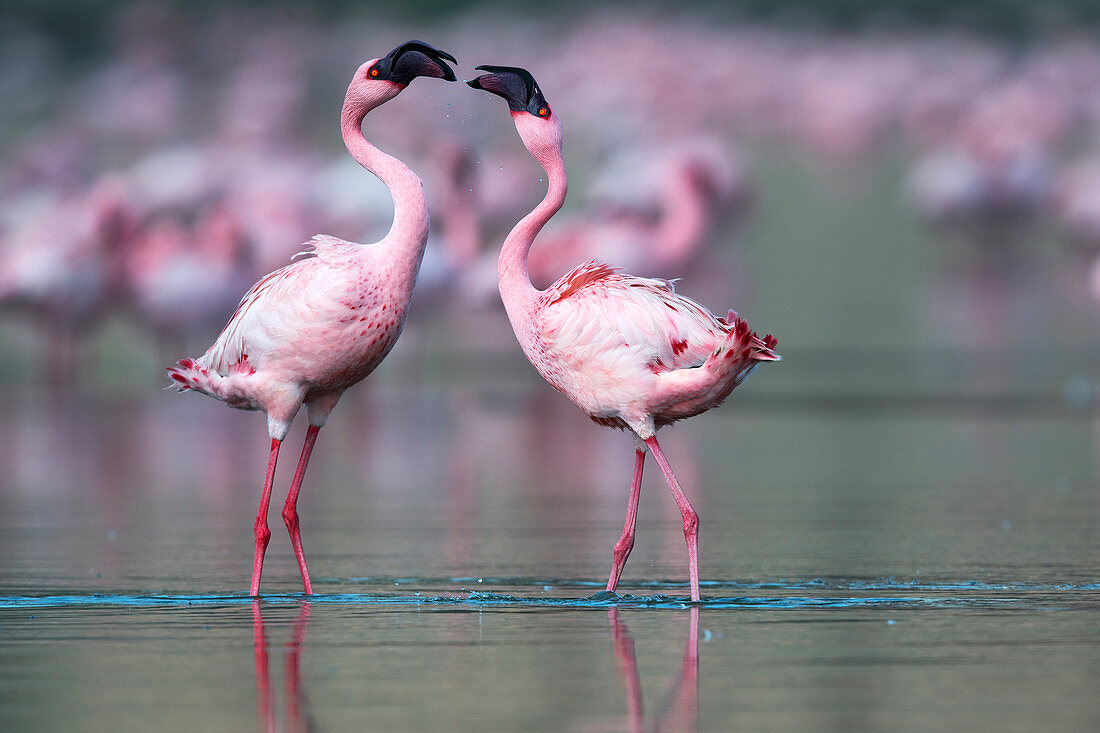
[621, 324]
[577, 278]
[282, 297]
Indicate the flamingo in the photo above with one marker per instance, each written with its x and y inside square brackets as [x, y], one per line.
[308, 331]
[691, 188]
[62, 264]
[186, 280]
[629, 351]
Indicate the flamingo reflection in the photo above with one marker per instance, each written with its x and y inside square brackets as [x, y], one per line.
[679, 708]
[297, 707]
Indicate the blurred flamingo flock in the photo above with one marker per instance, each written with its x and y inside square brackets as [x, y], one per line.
[160, 177]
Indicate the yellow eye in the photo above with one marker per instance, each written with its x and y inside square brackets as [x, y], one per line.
[543, 111]
[373, 72]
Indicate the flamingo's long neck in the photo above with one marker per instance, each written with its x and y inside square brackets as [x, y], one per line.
[683, 223]
[516, 290]
[402, 249]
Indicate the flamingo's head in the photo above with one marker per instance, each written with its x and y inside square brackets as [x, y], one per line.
[408, 61]
[518, 88]
[536, 122]
[380, 80]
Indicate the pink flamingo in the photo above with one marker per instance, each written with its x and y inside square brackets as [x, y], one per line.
[692, 187]
[305, 333]
[186, 280]
[62, 265]
[628, 351]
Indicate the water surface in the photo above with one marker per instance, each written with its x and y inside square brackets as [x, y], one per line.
[459, 583]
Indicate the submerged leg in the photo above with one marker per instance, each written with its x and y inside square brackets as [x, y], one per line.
[691, 518]
[292, 672]
[679, 709]
[628, 665]
[263, 534]
[690, 689]
[626, 542]
[263, 676]
[290, 509]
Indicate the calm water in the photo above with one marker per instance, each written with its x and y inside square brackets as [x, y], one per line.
[855, 583]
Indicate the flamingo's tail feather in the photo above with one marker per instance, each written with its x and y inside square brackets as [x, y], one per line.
[743, 346]
[188, 374]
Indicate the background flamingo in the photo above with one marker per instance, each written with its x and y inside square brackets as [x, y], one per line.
[305, 333]
[62, 265]
[653, 213]
[183, 279]
[628, 351]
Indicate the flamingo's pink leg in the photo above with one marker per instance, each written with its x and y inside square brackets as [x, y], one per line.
[691, 518]
[263, 534]
[628, 663]
[679, 709]
[626, 542]
[689, 690]
[290, 509]
[292, 676]
[263, 676]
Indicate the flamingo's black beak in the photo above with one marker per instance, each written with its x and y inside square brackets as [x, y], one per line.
[518, 88]
[413, 59]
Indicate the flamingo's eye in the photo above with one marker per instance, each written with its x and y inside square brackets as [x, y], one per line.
[544, 111]
[373, 72]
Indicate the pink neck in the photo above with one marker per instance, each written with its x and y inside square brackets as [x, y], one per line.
[683, 222]
[403, 245]
[516, 289]
[460, 212]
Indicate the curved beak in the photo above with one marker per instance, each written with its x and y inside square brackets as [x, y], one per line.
[515, 85]
[416, 58]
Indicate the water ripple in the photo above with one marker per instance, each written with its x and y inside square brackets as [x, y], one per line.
[825, 594]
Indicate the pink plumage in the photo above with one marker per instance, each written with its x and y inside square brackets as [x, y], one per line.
[306, 332]
[625, 347]
[629, 351]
